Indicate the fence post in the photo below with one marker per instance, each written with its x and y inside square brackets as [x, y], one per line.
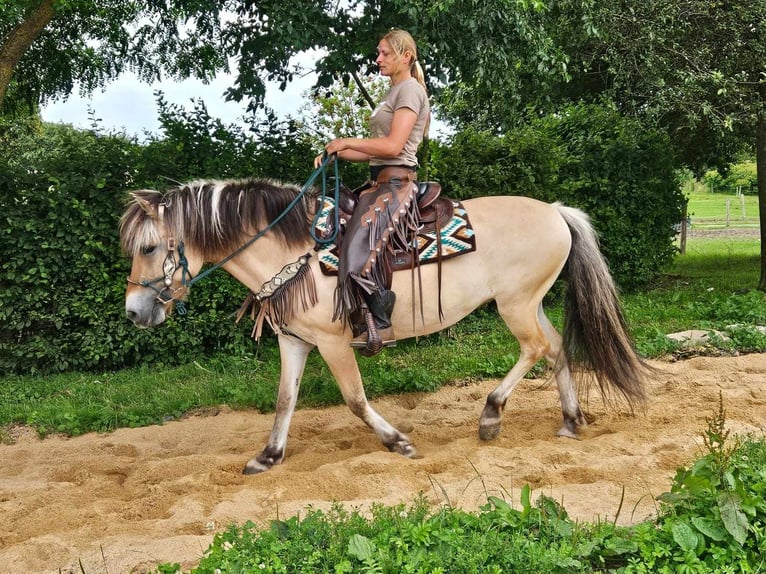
[728, 211]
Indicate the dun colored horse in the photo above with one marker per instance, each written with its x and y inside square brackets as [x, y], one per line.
[523, 245]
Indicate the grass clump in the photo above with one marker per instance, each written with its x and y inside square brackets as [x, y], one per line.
[499, 539]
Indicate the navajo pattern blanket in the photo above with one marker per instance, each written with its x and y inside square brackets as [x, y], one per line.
[457, 238]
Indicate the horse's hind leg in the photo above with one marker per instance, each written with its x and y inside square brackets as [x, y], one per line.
[570, 404]
[342, 362]
[293, 354]
[533, 344]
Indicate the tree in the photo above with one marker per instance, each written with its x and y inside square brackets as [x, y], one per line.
[484, 46]
[340, 111]
[48, 46]
[488, 46]
[695, 67]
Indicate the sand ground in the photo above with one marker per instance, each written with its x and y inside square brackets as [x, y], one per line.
[130, 499]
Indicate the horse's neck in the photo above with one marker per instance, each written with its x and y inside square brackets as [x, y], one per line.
[261, 261]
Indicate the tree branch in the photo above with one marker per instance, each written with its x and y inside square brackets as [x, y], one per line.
[365, 93]
[20, 38]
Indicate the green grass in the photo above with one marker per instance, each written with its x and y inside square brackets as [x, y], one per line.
[712, 286]
[709, 210]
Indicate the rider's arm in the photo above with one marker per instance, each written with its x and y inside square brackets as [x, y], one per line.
[352, 155]
[361, 149]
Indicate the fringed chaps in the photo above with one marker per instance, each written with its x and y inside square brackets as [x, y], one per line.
[386, 217]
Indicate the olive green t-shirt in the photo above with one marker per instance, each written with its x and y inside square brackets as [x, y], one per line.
[407, 94]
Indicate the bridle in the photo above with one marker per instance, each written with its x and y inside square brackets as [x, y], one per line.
[163, 285]
[166, 293]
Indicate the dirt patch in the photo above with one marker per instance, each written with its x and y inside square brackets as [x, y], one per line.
[127, 500]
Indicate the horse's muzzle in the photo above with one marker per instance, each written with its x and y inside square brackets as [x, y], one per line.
[144, 312]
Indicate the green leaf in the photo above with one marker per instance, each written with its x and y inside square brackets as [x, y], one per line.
[684, 536]
[710, 528]
[733, 518]
[526, 503]
[499, 503]
[361, 547]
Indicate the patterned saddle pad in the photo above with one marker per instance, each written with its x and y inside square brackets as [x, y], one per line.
[457, 238]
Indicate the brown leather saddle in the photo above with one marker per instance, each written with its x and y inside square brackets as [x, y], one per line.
[434, 212]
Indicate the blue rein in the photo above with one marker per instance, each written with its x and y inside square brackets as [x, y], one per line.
[165, 295]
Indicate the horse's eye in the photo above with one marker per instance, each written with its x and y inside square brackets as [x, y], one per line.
[148, 249]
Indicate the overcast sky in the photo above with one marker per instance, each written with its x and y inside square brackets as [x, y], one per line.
[129, 105]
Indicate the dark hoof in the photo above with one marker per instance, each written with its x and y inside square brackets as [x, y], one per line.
[254, 467]
[567, 432]
[405, 448]
[489, 431]
[261, 463]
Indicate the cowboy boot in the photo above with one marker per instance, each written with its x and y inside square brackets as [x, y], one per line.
[380, 333]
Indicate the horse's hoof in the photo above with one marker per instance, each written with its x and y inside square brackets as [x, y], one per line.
[566, 433]
[489, 431]
[404, 448]
[571, 424]
[568, 429]
[255, 467]
[259, 464]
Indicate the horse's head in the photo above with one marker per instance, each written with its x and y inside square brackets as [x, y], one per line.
[161, 268]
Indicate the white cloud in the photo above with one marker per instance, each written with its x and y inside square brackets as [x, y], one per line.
[130, 105]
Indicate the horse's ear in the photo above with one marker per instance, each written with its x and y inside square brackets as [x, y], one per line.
[145, 205]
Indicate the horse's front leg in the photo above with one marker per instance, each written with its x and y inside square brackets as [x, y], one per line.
[342, 362]
[293, 353]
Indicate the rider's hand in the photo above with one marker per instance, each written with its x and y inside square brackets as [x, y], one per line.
[319, 160]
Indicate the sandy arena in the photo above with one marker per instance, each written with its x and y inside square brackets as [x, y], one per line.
[128, 500]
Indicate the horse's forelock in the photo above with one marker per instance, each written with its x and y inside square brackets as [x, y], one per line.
[138, 225]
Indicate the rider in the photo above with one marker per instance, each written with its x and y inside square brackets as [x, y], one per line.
[398, 125]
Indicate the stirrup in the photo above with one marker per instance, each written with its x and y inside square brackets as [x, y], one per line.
[374, 339]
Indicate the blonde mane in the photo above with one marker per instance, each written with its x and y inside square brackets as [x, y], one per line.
[214, 216]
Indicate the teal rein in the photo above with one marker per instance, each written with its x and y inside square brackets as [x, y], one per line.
[184, 264]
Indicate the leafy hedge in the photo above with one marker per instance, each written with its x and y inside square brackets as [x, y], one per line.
[62, 191]
[621, 173]
[62, 276]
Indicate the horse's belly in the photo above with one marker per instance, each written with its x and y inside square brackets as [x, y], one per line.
[522, 245]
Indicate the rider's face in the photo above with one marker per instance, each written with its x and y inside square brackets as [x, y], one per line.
[389, 62]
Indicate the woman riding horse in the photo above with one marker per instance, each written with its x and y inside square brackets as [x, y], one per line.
[386, 204]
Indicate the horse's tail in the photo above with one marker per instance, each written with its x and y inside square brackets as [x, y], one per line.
[595, 331]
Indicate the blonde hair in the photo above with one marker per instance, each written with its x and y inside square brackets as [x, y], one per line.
[401, 42]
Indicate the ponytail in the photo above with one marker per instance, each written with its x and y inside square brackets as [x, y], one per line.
[416, 71]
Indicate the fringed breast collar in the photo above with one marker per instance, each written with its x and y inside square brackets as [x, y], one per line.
[278, 299]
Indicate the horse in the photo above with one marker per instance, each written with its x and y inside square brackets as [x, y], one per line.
[260, 231]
